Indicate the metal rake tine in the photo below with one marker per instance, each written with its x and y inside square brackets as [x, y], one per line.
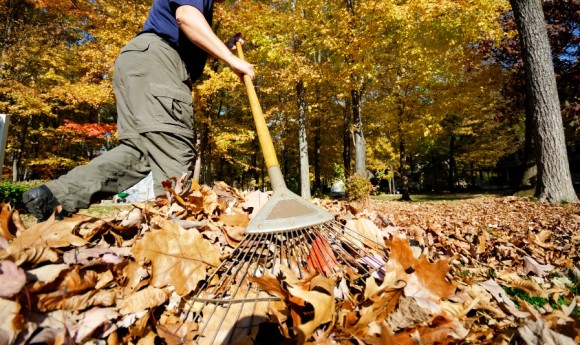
[350, 243]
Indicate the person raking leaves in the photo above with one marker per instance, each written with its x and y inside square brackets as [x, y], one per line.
[152, 81]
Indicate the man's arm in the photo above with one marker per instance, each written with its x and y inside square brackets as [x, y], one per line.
[193, 24]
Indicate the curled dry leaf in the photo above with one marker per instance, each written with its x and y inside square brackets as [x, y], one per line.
[514, 280]
[501, 296]
[538, 269]
[366, 230]
[7, 228]
[323, 305]
[424, 279]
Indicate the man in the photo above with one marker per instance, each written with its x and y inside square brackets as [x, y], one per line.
[152, 82]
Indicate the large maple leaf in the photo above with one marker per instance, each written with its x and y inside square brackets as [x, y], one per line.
[178, 257]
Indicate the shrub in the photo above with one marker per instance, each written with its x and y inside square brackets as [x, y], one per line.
[12, 192]
[358, 188]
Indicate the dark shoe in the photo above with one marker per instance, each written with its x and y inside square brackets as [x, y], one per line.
[40, 202]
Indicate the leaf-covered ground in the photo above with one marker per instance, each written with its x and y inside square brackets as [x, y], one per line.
[488, 270]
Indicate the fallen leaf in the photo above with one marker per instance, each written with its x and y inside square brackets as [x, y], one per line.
[366, 232]
[90, 320]
[34, 255]
[12, 279]
[145, 299]
[7, 228]
[501, 296]
[178, 257]
[408, 313]
[323, 305]
[537, 332]
[47, 273]
[538, 269]
[50, 233]
[8, 312]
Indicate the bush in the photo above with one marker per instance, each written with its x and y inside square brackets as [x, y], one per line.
[358, 188]
[12, 192]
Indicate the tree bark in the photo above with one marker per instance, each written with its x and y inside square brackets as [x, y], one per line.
[452, 164]
[359, 139]
[317, 146]
[346, 142]
[404, 171]
[302, 142]
[554, 178]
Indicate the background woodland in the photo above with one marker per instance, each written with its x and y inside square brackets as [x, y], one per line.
[426, 91]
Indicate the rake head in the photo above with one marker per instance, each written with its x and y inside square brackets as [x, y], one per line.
[230, 306]
[286, 211]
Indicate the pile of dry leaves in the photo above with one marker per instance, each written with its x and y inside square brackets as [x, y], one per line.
[485, 270]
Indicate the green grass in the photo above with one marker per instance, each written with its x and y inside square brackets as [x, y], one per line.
[574, 289]
[95, 210]
[105, 210]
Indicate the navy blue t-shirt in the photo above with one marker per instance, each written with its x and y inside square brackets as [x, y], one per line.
[161, 20]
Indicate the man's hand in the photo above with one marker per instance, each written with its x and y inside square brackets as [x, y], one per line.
[242, 67]
[232, 41]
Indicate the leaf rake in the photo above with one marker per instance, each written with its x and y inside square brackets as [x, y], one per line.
[288, 231]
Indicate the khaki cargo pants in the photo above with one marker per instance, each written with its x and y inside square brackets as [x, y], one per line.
[155, 127]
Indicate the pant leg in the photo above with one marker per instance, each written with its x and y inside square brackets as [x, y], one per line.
[106, 175]
[170, 155]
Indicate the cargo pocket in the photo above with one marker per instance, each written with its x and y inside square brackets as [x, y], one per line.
[135, 47]
[175, 107]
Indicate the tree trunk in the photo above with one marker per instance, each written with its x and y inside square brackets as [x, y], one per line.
[317, 145]
[359, 139]
[302, 143]
[554, 178]
[452, 165]
[255, 158]
[404, 171]
[346, 141]
[197, 165]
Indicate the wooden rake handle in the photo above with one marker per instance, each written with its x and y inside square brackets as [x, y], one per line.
[261, 127]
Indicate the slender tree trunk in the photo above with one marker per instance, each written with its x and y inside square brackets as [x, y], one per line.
[403, 161]
[452, 165]
[554, 178]
[346, 141]
[317, 145]
[197, 165]
[404, 171]
[255, 169]
[302, 142]
[359, 139]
